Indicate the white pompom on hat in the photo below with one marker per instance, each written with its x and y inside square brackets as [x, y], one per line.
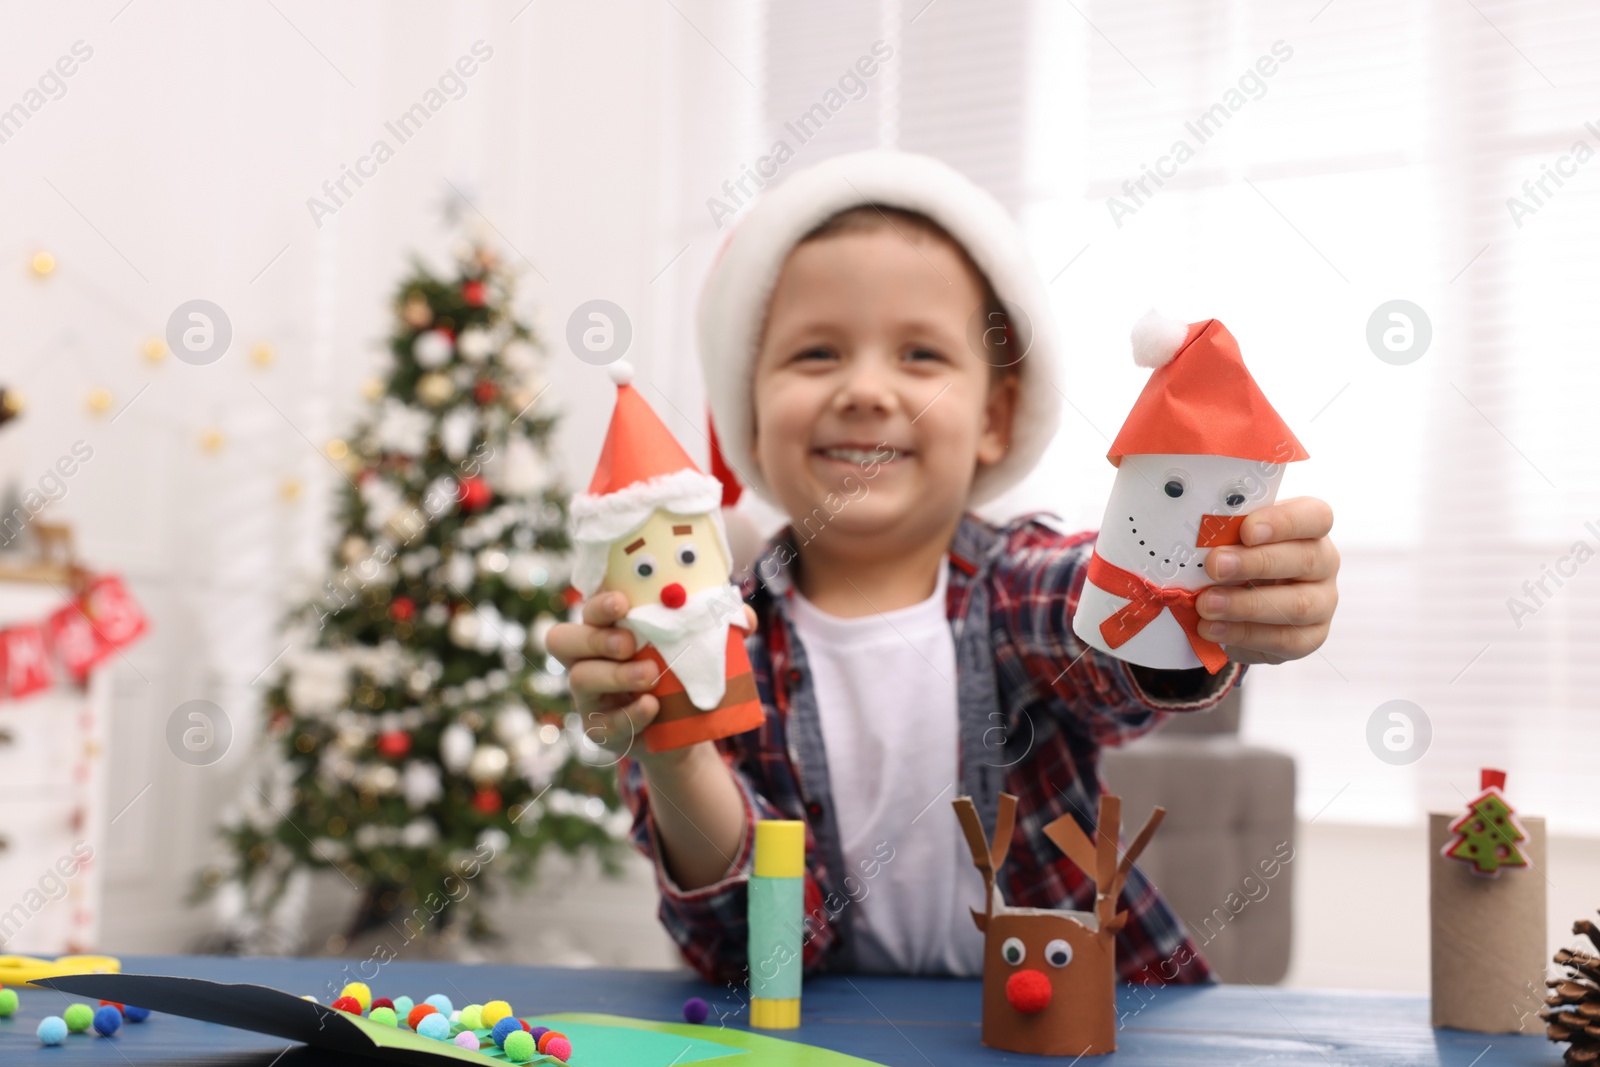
[733, 303]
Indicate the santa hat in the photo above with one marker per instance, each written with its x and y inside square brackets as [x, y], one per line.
[1201, 400]
[733, 304]
[642, 468]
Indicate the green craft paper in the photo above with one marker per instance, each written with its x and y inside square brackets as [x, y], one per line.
[607, 1044]
[777, 914]
[764, 1051]
[395, 1037]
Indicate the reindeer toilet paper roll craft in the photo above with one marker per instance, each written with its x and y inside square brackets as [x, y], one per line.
[1201, 449]
[1050, 976]
[650, 526]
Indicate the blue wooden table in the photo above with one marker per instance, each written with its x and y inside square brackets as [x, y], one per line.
[899, 1022]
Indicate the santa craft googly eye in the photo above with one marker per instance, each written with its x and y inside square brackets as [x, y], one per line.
[1201, 449]
[650, 526]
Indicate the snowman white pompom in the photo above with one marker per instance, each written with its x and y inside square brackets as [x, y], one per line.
[1156, 339]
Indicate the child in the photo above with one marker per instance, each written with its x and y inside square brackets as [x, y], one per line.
[857, 333]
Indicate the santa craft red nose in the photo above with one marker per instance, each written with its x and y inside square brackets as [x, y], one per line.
[673, 595]
[1028, 991]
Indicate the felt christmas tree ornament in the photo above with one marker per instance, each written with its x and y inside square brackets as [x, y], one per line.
[1201, 449]
[650, 527]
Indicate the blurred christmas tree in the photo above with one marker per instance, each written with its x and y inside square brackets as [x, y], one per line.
[424, 745]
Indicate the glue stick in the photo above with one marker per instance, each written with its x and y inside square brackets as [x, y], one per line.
[777, 917]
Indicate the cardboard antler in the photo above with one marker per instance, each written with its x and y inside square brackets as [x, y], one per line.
[988, 858]
[1098, 858]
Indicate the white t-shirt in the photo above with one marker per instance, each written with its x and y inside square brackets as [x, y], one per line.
[886, 695]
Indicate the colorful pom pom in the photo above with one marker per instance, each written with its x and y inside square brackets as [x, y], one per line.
[472, 1017]
[113, 1004]
[107, 1021]
[441, 1004]
[419, 1013]
[695, 1011]
[494, 1011]
[519, 1047]
[8, 1003]
[559, 1047]
[434, 1025]
[535, 1032]
[361, 992]
[135, 1015]
[547, 1037]
[382, 1002]
[384, 1016]
[79, 1017]
[468, 1040]
[504, 1029]
[348, 1004]
[402, 1007]
[52, 1030]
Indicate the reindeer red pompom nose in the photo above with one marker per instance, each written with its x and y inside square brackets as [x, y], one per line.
[1028, 991]
[673, 595]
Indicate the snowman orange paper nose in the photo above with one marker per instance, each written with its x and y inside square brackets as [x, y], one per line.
[673, 595]
[1217, 530]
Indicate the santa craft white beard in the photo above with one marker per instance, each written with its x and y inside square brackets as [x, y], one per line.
[693, 639]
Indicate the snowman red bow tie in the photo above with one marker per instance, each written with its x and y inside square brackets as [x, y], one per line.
[1145, 602]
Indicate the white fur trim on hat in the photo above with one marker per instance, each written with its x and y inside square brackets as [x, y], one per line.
[733, 304]
[1156, 339]
[598, 520]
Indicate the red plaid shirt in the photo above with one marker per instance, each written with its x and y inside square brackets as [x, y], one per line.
[1051, 703]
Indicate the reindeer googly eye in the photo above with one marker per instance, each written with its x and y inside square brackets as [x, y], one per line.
[1013, 951]
[1058, 953]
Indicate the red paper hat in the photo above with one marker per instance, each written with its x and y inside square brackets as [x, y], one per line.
[642, 468]
[1201, 400]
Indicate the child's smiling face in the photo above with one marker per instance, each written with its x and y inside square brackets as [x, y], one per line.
[867, 388]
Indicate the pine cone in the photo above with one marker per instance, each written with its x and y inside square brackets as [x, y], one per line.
[1572, 1011]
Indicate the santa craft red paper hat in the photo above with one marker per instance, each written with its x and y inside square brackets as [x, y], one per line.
[1201, 400]
[642, 468]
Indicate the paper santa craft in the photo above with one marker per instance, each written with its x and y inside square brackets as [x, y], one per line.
[650, 526]
[1201, 449]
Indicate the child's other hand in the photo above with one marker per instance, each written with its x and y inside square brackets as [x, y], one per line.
[1287, 564]
[609, 692]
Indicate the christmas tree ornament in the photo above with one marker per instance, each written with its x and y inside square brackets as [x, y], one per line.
[421, 784]
[650, 527]
[402, 609]
[475, 494]
[416, 313]
[433, 349]
[487, 801]
[1486, 837]
[372, 389]
[1487, 907]
[473, 293]
[435, 389]
[395, 744]
[336, 449]
[456, 747]
[456, 431]
[485, 392]
[488, 764]
[1200, 451]
[42, 264]
[475, 344]
[354, 549]
[1572, 1008]
[1050, 976]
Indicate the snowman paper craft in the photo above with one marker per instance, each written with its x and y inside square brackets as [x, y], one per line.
[1201, 449]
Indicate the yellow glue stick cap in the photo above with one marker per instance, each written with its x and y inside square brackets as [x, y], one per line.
[780, 848]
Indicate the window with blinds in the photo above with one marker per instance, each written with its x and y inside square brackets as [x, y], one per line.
[1289, 168]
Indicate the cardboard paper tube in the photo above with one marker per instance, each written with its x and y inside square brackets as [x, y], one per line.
[1487, 942]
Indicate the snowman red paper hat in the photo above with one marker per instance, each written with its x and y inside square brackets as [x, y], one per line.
[642, 468]
[1201, 400]
[733, 303]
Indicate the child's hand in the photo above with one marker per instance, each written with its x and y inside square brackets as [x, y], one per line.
[609, 693]
[1287, 564]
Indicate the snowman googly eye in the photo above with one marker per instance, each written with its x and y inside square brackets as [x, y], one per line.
[1234, 494]
[1175, 483]
[1013, 951]
[644, 565]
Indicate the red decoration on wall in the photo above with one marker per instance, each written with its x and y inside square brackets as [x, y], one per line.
[93, 626]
